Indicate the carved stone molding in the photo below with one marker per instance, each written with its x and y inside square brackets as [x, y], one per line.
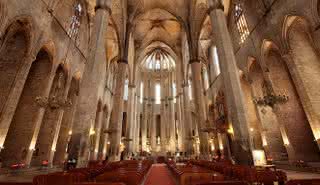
[215, 4]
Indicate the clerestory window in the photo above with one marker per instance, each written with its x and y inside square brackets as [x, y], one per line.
[241, 23]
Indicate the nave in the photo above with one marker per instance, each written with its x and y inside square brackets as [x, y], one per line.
[148, 172]
[186, 91]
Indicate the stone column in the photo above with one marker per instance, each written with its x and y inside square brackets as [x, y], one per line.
[134, 130]
[115, 126]
[138, 126]
[98, 130]
[131, 118]
[163, 131]
[10, 154]
[66, 130]
[13, 99]
[199, 107]
[144, 118]
[180, 126]
[153, 121]
[172, 117]
[57, 128]
[230, 74]
[105, 138]
[93, 80]
[303, 78]
[187, 120]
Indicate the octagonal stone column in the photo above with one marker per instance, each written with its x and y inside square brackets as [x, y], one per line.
[199, 106]
[230, 74]
[93, 81]
[115, 127]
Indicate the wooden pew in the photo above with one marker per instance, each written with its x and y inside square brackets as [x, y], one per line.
[129, 172]
[243, 173]
[15, 183]
[188, 175]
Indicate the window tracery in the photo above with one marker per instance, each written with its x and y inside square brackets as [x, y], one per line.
[241, 23]
[158, 93]
[75, 24]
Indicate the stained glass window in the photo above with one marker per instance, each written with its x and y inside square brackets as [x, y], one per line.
[158, 93]
[241, 23]
[75, 21]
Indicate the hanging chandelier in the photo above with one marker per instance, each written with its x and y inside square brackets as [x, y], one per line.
[271, 100]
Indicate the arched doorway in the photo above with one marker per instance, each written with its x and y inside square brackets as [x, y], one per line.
[254, 123]
[20, 135]
[103, 134]
[65, 133]
[271, 136]
[94, 145]
[13, 53]
[45, 145]
[304, 65]
[223, 139]
[296, 130]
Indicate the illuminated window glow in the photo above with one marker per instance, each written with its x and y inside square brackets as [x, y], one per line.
[216, 62]
[241, 23]
[158, 93]
[190, 89]
[205, 79]
[75, 21]
[174, 92]
[141, 92]
[126, 90]
[159, 60]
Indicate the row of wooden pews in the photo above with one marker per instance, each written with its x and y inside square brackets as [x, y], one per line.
[241, 175]
[114, 173]
[248, 174]
[131, 174]
[190, 174]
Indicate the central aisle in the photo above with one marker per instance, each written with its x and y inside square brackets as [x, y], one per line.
[159, 174]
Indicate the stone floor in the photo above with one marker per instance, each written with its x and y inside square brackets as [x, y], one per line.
[301, 175]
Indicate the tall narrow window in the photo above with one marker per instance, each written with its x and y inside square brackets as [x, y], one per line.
[126, 90]
[216, 62]
[141, 92]
[241, 23]
[158, 93]
[205, 79]
[190, 89]
[174, 92]
[75, 21]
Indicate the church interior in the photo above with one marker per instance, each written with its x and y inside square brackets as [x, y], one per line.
[160, 92]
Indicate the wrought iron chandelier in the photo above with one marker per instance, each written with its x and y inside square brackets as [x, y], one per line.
[271, 100]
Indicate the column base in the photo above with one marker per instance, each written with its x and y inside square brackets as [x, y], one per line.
[242, 156]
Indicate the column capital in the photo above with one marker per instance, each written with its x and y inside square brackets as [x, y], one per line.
[122, 61]
[132, 86]
[215, 4]
[104, 4]
[185, 85]
[195, 60]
